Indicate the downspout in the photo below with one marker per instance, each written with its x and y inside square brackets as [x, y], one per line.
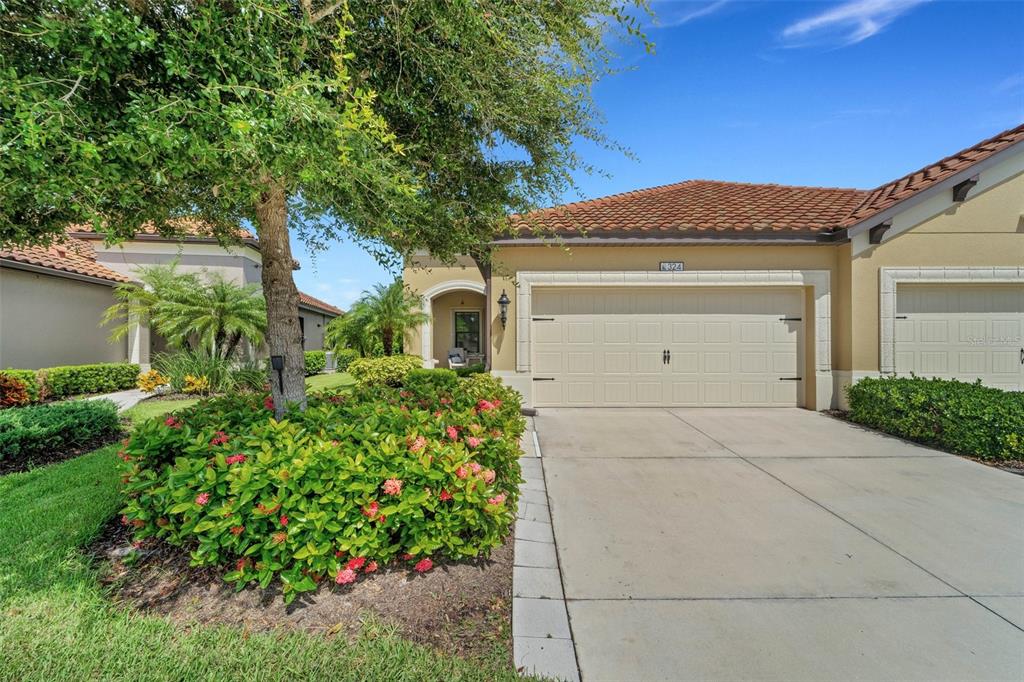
[483, 264]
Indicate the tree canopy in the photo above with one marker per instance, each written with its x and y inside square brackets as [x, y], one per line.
[404, 125]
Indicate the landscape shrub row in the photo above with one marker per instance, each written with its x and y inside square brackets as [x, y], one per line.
[968, 419]
[60, 382]
[41, 431]
[389, 370]
[316, 360]
[343, 357]
[409, 474]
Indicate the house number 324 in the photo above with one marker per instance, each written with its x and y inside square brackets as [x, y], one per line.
[672, 266]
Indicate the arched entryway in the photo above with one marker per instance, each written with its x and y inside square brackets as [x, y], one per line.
[456, 312]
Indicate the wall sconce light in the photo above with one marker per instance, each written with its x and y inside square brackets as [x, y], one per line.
[503, 302]
[277, 364]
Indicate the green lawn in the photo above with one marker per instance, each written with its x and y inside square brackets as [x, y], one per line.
[324, 382]
[156, 408]
[56, 623]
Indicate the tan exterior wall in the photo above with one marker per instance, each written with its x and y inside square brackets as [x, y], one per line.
[239, 264]
[423, 273]
[986, 230]
[47, 321]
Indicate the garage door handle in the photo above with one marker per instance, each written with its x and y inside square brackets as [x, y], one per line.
[790, 378]
[543, 378]
[791, 319]
[543, 319]
[1022, 356]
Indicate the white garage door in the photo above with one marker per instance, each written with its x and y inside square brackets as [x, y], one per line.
[673, 346]
[961, 332]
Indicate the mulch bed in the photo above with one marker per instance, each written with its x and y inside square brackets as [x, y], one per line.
[13, 466]
[1014, 466]
[463, 607]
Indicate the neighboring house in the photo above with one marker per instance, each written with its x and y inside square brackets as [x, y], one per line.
[719, 293]
[52, 299]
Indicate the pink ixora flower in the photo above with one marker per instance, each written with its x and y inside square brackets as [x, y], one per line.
[202, 498]
[475, 467]
[235, 459]
[392, 486]
[370, 567]
[268, 403]
[284, 521]
[497, 499]
[452, 432]
[356, 563]
[473, 441]
[172, 422]
[461, 472]
[423, 565]
[488, 476]
[219, 438]
[345, 576]
[370, 510]
[485, 406]
[418, 444]
[445, 496]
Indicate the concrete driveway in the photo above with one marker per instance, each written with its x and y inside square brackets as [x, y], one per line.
[780, 544]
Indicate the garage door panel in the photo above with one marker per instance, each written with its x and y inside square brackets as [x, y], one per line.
[727, 347]
[965, 332]
[547, 332]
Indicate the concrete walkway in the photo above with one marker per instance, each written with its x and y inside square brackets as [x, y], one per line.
[779, 544]
[123, 399]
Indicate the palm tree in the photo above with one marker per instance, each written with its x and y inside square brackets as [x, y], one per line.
[214, 315]
[351, 330]
[391, 310]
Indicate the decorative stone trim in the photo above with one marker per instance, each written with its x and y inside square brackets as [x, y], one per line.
[541, 638]
[891, 278]
[818, 280]
[427, 328]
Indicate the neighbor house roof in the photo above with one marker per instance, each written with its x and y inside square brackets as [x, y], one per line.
[892, 193]
[699, 208]
[186, 227]
[72, 256]
[312, 302]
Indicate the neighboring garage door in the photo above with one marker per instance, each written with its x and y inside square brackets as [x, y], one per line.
[672, 346]
[963, 332]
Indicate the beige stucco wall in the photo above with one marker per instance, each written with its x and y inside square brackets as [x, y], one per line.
[47, 321]
[422, 273]
[986, 230]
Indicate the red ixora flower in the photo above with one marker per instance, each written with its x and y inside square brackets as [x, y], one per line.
[202, 498]
[452, 432]
[172, 422]
[370, 510]
[237, 530]
[219, 438]
[356, 563]
[242, 564]
[235, 459]
[284, 521]
[393, 486]
[406, 556]
[473, 441]
[418, 444]
[484, 406]
[345, 576]
[370, 567]
[445, 496]
[423, 565]
[461, 472]
[268, 403]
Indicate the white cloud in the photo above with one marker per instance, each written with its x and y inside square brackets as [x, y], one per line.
[1010, 83]
[671, 13]
[848, 23]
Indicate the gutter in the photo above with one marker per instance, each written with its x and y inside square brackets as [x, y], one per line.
[54, 272]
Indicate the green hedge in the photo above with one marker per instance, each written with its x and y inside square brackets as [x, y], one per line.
[102, 378]
[344, 357]
[316, 360]
[386, 371]
[968, 419]
[42, 430]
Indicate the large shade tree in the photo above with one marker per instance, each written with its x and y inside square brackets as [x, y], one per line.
[401, 125]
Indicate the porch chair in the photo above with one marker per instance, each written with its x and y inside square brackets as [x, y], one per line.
[457, 358]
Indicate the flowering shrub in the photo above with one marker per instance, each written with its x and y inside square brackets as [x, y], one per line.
[356, 481]
[386, 371]
[13, 391]
[152, 380]
[196, 385]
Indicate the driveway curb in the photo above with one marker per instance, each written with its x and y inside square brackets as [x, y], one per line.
[541, 639]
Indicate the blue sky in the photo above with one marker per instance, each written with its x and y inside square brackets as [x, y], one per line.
[844, 94]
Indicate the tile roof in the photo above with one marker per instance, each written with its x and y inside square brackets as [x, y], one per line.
[715, 208]
[896, 191]
[702, 206]
[312, 302]
[190, 227]
[71, 255]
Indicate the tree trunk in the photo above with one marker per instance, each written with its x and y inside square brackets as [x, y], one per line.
[284, 337]
[388, 340]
